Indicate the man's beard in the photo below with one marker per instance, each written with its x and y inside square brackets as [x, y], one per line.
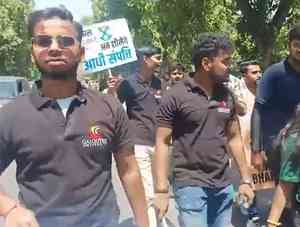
[59, 75]
[219, 79]
[294, 59]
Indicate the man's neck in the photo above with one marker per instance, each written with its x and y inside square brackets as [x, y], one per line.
[58, 89]
[204, 82]
[250, 86]
[295, 64]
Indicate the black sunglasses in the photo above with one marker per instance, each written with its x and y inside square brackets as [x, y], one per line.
[46, 41]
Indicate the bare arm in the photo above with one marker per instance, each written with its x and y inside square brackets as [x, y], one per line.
[161, 159]
[132, 182]
[236, 147]
[6, 203]
[281, 197]
[161, 170]
[15, 215]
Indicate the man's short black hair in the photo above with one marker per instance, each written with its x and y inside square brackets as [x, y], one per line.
[52, 12]
[245, 64]
[147, 51]
[294, 33]
[209, 46]
[175, 66]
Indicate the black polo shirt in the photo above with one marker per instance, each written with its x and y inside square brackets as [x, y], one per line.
[142, 99]
[199, 141]
[64, 164]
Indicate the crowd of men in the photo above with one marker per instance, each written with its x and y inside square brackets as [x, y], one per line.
[64, 136]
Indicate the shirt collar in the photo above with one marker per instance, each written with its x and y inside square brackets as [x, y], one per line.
[141, 80]
[40, 101]
[191, 85]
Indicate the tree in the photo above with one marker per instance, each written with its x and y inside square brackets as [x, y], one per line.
[263, 20]
[258, 27]
[14, 43]
[87, 20]
[172, 25]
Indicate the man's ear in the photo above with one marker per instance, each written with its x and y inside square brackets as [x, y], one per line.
[206, 64]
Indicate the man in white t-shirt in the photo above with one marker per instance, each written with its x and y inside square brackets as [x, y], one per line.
[251, 73]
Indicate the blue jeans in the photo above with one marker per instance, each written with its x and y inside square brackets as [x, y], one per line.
[204, 207]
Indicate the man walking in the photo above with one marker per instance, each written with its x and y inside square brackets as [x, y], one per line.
[141, 94]
[251, 74]
[199, 114]
[63, 138]
[277, 98]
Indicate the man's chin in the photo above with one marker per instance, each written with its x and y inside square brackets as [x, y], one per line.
[58, 75]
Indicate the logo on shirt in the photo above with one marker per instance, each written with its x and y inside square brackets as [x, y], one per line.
[94, 138]
[95, 133]
[223, 107]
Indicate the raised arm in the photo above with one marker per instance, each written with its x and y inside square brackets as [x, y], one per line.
[132, 183]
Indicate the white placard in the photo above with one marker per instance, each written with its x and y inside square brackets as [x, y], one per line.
[107, 45]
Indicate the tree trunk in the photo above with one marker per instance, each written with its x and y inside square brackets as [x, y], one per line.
[267, 54]
[265, 45]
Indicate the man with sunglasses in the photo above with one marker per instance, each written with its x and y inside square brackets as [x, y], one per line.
[63, 139]
[142, 93]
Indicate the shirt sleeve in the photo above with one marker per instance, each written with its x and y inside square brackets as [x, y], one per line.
[123, 135]
[265, 88]
[264, 93]
[167, 111]
[124, 91]
[256, 130]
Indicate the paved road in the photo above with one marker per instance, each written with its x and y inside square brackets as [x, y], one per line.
[8, 183]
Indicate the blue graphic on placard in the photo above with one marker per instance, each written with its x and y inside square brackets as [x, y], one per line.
[111, 59]
[104, 33]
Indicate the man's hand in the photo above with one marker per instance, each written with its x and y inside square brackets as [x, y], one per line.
[258, 160]
[161, 203]
[247, 191]
[20, 217]
[114, 82]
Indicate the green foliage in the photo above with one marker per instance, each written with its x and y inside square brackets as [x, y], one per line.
[87, 20]
[265, 23]
[257, 27]
[173, 25]
[14, 44]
